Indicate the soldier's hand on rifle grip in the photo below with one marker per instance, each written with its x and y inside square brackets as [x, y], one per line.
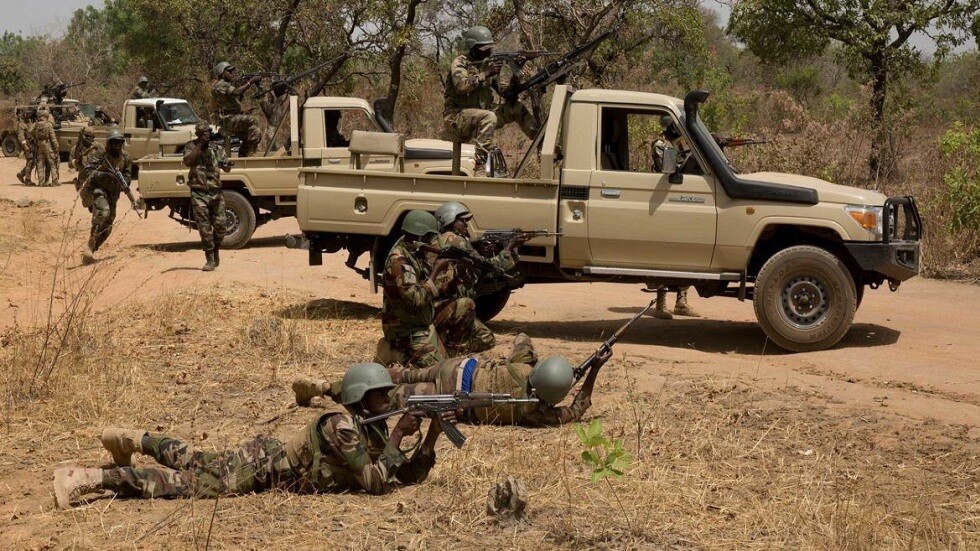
[492, 70]
[516, 242]
[409, 423]
[438, 267]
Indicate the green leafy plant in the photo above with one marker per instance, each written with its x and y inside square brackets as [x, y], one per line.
[605, 457]
[961, 154]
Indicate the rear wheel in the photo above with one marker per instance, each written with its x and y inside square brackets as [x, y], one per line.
[805, 299]
[241, 220]
[10, 146]
[488, 306]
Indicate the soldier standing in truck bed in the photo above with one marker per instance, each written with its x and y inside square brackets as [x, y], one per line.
[227, 98]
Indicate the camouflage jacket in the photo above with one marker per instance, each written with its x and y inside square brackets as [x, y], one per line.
[205, 175]
[141, 93]
[224, 99]
[43, 133]
[408, 295]
[336, 453]
[466, 87]
[79, 151]
[25, 133]
[460, 279]
[101, 178]
[499, 376]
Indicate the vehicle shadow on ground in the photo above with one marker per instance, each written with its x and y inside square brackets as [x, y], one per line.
[328, 308]
[741, 337]
[195, 244]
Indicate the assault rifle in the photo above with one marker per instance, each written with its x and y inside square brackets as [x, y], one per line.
[736, 142]
[476, 260]
[607, 344]
[435, 404]
[554, 71]
[515, 60]
[494, 241]
[56, 92]
[281, 85]
[136, 203]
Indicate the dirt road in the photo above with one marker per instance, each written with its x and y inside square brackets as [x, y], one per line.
[914, 352]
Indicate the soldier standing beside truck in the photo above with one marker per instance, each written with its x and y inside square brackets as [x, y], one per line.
[25, 136]
[46, 142]
[469, 111]
[228, 106]
[207, 202]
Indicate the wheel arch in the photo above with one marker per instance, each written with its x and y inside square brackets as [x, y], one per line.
[777, 236]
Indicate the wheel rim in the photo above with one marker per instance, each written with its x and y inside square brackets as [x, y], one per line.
[9, 147]
[233, 222]
[805, 301]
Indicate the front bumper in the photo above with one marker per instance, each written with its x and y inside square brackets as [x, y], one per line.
[897, 255]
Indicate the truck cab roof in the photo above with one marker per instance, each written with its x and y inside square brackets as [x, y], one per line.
[336, 102]
[151, 102]
[597, 95]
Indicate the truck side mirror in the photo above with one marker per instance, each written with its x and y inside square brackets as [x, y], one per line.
[670, 160]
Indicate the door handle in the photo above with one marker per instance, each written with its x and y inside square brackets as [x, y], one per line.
[334, 161]
[610, 193]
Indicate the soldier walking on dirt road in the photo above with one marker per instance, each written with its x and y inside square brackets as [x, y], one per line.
[25, 137]
[335, 452]
[107, 173]
[46, 152]
[207, 202]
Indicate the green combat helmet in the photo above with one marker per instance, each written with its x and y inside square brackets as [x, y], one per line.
[420, 223]
[361, 379]
[220, 68]
[115, 134]
[86, 132]
[143, 80]
[447, 213]
[477, 36]
[201, 127]
[552, 378]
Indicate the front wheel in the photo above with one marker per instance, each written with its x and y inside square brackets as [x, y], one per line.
[10, 146]
[241, 220]
[488, 306]
[805, 299]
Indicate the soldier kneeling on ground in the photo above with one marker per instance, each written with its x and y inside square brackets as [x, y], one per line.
[521, 374]
[333, 453]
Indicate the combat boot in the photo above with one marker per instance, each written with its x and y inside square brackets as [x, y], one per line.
[306, 389]
[217, 258]
[122, 444]
[682, 308]
[71, 483]
[209, 267]
[88, 255]
[661, 310]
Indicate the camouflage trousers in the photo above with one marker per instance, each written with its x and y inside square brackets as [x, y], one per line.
[246, 128]
[479, 125]
[210, 217]
[27, 172]
[421, 346]
[47, 166]
[258, 465]
[103, 217]
[459, 329]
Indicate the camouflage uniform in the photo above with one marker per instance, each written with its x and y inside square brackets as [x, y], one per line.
[79, 150]
[105, 189]
[469, 113]
[142, 93]
[407, 313]
[207, 202]
[232, 119]
[333, 453]
[47, 152]
[25, 137]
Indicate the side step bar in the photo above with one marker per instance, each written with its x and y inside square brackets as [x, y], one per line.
[664, 274]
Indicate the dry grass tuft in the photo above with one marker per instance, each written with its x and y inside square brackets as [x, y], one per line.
[718, 463]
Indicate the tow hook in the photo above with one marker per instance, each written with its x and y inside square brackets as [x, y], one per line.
[893, 285]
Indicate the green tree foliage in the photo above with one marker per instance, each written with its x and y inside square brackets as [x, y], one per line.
[960, 150]
[873, 37]
[14, 52]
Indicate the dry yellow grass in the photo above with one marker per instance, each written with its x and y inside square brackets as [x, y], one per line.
[718, 463]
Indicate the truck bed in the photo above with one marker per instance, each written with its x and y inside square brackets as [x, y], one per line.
[166, 176]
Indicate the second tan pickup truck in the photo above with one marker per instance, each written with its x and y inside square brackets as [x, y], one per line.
[801, 248]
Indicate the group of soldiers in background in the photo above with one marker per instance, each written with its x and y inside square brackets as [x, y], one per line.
[35, 133]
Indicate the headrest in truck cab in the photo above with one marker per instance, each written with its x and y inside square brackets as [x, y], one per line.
[376, 143]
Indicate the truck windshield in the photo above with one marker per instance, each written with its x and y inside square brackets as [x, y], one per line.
[87, 110]
[177, 113]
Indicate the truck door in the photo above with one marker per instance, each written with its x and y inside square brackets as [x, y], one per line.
[638, 216]
[339, 124]
[141, 137]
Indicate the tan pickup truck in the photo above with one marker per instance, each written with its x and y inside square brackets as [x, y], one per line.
[260, 189]
[801, 248]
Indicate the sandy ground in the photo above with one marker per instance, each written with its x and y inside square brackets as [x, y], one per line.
[871, 443]
[914, 351]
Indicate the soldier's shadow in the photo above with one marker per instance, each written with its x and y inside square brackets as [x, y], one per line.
[328, 308]
[707, 335]
[95, 262]
[195, 245]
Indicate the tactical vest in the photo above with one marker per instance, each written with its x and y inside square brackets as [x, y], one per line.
[506, 378]
[481, 98]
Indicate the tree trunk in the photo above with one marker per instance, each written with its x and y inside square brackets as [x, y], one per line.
[397, 58]
[879, 85]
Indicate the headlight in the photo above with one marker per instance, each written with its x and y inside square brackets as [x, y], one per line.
[869, 218]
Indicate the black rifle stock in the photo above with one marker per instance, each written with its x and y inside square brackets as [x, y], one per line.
[434, 405]
[607, 344]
